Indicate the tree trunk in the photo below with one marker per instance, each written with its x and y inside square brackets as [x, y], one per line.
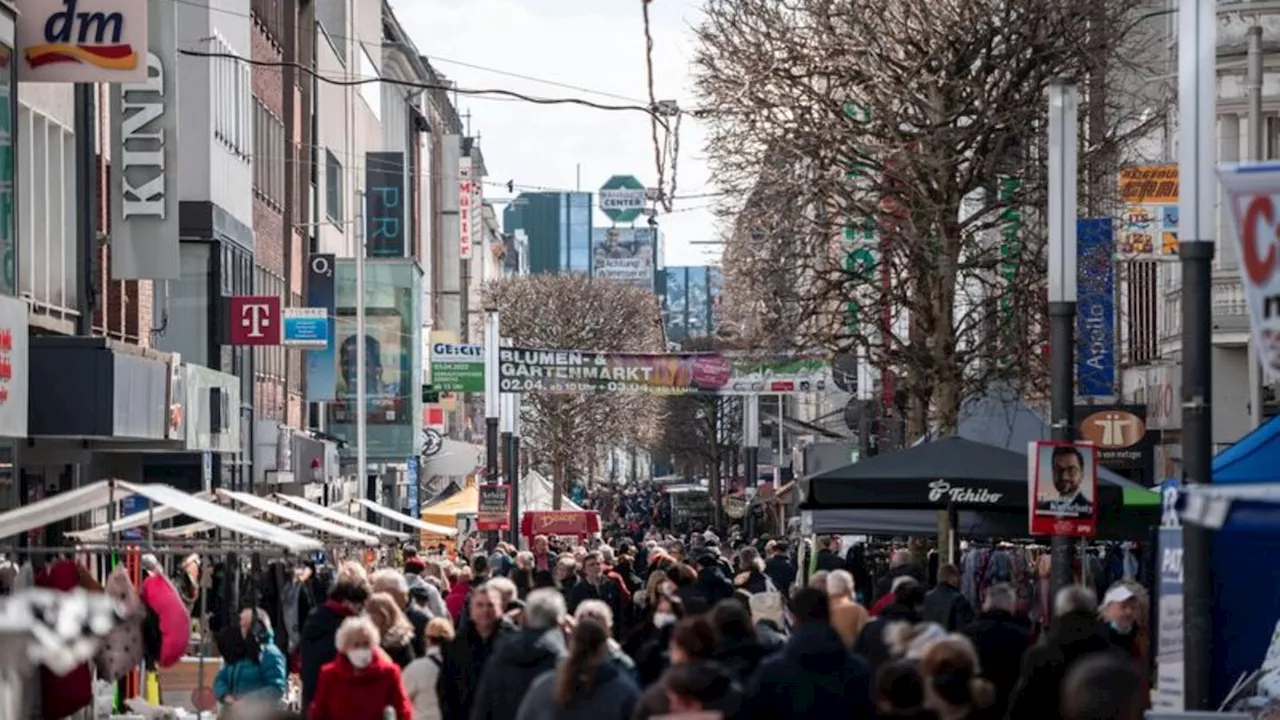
[557, 484]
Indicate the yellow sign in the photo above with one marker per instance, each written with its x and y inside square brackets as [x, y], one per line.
[1148, 227]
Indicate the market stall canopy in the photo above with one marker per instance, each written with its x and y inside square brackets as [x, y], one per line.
[340, 518]
[406, 520]
[445, 493]
[1254, 458]
[536, 493]
[85, 499]
[289, 514]
[464, 502]
[1250, 508]
[455, 459]
[133, 522]
[935, 475]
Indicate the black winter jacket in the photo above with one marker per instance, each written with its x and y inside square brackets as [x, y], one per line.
[462, 667]
[517, 661]
[814, 678]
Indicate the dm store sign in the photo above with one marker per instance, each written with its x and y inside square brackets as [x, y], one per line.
[82, 41]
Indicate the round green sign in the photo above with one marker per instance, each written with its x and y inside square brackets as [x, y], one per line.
[622, 198]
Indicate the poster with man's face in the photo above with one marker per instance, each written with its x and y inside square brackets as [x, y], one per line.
[623, 255]
[1063, 489]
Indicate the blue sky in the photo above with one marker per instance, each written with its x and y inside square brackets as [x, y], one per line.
[597, 45]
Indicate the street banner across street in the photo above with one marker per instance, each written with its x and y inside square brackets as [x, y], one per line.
[573, 371]
[1062, 489]
[1253, 192]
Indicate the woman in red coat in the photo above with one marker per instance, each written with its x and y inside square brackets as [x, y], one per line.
[362, 682]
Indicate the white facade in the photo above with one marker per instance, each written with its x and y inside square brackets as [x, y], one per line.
[46, 209]
[215, 100]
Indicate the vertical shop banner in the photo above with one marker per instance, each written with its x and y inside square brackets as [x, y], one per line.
[144, 144]
[412, 493]
[393, 358]
[321, 368]
[1095, 309]
[1149, 220]
[624, 255]
[1252, 192]
[1170, 694]
[466, 194]
[14, 367]
[8, 164]
[1062, 489]
[386, 219]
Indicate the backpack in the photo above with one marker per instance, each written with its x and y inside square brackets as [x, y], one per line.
[768, 605]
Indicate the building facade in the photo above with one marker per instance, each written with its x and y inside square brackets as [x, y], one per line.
[690, 301]
[558, 226]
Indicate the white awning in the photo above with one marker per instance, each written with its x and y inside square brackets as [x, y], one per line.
[134, 521]
[407, 520]
[289, 514]
[338, 517]
[88, 498]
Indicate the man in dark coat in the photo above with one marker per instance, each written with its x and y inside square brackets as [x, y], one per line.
[317, 645]
[522, 657]
[945, 605]
[900, 563]
[711, 587]
[828, 557]
[779, 567]
[465, 656]
[908, 602]
[594, 584]
[814, 677]
[1001, 638]
[1076, 633]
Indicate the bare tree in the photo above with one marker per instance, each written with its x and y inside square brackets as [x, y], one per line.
[884, 164]
[568, 432]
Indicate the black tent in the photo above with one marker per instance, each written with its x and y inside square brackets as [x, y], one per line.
[947, 473]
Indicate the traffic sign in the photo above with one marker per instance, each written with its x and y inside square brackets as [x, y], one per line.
[305, 327]
[622, 198]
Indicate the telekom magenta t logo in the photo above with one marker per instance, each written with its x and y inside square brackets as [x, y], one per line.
[255, 320]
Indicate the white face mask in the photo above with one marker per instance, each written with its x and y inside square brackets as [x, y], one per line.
[661, 620]
[360, 658]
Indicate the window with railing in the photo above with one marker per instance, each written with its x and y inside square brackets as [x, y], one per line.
[230, 92]
[268, 155]
[1142, 303]
[46, 214]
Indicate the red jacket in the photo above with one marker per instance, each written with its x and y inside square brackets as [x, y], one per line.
[456, 600]
[885, 601]
[344, 693]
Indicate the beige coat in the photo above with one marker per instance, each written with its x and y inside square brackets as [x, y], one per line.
[848, 618]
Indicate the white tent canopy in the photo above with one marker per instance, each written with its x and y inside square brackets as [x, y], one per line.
[335, 516]
[407, 520]
[536, 492]
[289, 514]
[104, 493]
[134, 521]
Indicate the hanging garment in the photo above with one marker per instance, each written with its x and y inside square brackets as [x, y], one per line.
[175, 624]
[122, 650]
[63, 695]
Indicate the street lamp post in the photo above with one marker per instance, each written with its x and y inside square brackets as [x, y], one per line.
[1063, 110]
[513, 469]
[1197, 123]
[751, 456]
[492, 399]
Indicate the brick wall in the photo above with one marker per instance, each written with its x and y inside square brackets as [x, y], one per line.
[268, 222]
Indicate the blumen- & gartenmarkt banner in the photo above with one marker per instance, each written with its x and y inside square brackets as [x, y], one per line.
[575, 371]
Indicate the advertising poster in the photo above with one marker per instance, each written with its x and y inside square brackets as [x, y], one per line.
[1251, 194]
[392, 359]
[624, 255]
[493, 511]
[457, 368]
[1095, 308]
[574, 371]
[1063, 489]
[1119, 434]
[385, 396]
[1149, 220]
[1170, 691]
[321, 382]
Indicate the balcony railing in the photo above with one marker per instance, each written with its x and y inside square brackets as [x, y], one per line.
[1228, 306]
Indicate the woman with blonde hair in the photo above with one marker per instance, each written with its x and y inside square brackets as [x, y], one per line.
[585, 685]
[955, 688]
[422, 674]
[394, 627]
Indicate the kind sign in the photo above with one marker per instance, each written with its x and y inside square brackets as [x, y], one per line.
[1253, 197]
